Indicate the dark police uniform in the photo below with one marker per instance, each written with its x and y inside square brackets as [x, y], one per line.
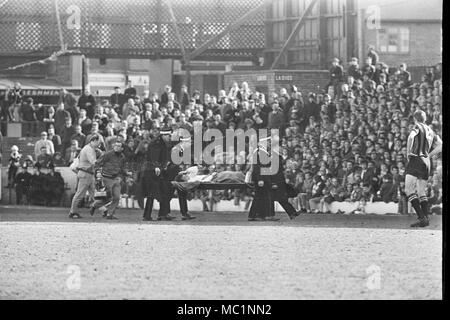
[154, 186]
[56, 187]
[262, 202]
[38, 189]
[23, 183]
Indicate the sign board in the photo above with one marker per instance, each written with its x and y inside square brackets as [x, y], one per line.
[140, 80]
[261, 77]
[107, 80]
[283, 77]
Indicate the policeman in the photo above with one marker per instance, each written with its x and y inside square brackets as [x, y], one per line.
[23, 180]
[260, 209]
[152, 179]
[38, 181]
[56, 186]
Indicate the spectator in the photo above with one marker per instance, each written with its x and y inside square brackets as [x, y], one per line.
[72, 152]
[28, 116]
[66, 134]
[44, 142]
[404, 76]
[388, 190]
[373, 55]
[79, 136]
[67, 99]
[44, 160]
[84, 122]
[14, 98]
[60, 118]
[316, 194]
[130, 92]
[165, 95]
[184, 96]
[13, 165]
[49, 117]
[56, 139]
[276, 119]
[336, 76]
[117, 99]
[58, 160]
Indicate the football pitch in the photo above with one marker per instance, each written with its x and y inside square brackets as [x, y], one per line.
[45, 255]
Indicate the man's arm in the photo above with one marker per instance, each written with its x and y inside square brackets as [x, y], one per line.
[36, 148]
[103, 158]
[52, 147]
[409, 143]
[437, 146]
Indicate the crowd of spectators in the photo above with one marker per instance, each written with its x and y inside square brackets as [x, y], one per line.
[345, 143]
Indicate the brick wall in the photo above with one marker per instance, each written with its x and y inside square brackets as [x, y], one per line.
[424, 44]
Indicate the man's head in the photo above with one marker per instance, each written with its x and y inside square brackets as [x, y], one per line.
[74, 144]
[335, 62]
[44, 135]
[95, 141]
[77, 129]
[118, 146]
[420, 116]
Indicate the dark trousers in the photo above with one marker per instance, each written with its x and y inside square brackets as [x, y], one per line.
[12, 174]
[285, 204]
[20, 192]
[182, 200]
[164, 207]
[262, 205]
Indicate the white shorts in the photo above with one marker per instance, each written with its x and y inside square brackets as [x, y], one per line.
[414, 185]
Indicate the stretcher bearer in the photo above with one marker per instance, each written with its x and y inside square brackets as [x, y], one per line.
[173, 172]
[85, 174]
[112, 168]
[152, 180]
[279, 187]
[422, 145]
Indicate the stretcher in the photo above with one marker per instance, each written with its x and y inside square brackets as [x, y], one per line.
[200, 185]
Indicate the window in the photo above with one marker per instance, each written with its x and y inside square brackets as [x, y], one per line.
[393, 40]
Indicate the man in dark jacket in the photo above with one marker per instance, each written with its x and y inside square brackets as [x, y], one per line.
[55, 188]
[23, 183]
[87, 102]
[38, 181]
[336, 76]
[262, 202]
[28, 116]
[153, 184]
[353, 69]
[66, 134]
[117, 99]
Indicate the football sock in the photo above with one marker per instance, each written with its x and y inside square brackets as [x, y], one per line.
[416, 205]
